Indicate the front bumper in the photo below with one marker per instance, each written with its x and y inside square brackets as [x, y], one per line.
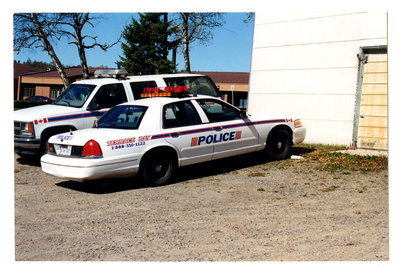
[299, 134]
[29, 145]
[82, 169]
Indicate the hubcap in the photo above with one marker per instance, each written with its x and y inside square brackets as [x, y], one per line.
[157, 168]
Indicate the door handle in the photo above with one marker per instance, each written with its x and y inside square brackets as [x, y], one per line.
[174, 135]
[218, 128]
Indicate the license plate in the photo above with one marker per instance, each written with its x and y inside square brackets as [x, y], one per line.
[65, 150]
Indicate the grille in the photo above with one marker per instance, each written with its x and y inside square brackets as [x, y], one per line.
[18, 126]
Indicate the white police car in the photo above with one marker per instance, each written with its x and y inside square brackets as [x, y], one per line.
[152, 137]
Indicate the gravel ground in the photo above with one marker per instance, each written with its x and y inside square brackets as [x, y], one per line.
[240, 209]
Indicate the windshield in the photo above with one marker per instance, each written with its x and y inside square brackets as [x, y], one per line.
[196, 85]
[122, 117]
[74, 95]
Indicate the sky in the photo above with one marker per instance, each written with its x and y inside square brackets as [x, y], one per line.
[228, 51]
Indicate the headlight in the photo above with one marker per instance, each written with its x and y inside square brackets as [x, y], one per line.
[297, 123]
[27, 129]
[24, 129]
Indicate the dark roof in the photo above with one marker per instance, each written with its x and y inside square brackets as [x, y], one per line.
[71, 72]
[227, 77]
[20, 69]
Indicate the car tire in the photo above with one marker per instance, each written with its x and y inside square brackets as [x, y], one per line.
[278, 145]
[157, 169]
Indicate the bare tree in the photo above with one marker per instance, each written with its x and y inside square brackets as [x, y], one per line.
[38, 30]
[196, 27]
[77, 21]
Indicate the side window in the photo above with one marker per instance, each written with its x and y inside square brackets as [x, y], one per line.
[137, 87]
[180, 114]
[218, 111]
[109, 95]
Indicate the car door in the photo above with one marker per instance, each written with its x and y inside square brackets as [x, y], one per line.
[187, 132]
[234, 133]
[106, 97]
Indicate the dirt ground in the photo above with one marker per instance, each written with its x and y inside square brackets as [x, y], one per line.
[239, 209]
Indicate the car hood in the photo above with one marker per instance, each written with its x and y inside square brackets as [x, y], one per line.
[43, 111]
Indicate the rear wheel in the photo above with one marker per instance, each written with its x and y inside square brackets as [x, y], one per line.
[278, 145]
[157, 168]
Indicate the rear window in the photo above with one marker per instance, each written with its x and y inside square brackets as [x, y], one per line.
[123, 117]
[201, 85]
[138, 87]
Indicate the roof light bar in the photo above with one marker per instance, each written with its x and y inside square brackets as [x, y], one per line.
[110, 73]
[164, 92]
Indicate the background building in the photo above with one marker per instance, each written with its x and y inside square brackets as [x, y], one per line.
[20, 69]
[233, 86]
[46, 83]
[328, 68]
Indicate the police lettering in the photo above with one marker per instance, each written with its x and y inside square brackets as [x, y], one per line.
[222, 137]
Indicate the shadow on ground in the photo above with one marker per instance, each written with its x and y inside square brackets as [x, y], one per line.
[106, 186]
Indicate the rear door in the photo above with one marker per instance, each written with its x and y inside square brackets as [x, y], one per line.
[183, 127]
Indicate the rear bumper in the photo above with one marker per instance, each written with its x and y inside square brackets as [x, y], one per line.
[81, 169]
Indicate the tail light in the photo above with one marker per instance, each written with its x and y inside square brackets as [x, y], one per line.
[92, 149]
[50, 148]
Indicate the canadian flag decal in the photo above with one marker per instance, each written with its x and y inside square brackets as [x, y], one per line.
[44, 120]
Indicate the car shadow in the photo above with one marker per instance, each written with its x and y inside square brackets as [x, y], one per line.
[104, 186]
[31, 160]
[221, 166]
[115, 185]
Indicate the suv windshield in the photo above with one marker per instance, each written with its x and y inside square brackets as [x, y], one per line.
[74, 95]
[122, 117]
[196, 85]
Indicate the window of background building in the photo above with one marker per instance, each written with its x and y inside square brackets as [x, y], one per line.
[55, 91]
[28, 91]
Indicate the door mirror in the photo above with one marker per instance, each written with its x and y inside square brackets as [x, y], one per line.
[243, 113]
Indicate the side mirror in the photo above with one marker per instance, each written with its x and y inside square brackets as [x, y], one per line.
[243, 113]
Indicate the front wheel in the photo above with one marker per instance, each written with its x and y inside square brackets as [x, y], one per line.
[157, 169]
[278, 145]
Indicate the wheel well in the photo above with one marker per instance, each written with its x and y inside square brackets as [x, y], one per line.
[161, 150]
[281, 127]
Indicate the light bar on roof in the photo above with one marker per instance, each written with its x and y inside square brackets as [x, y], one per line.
[110, 73]
[164, 92]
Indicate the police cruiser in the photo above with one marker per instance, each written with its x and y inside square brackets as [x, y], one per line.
[82, 103]
[152, 137]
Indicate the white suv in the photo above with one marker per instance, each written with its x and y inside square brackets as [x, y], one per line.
[82, 103]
